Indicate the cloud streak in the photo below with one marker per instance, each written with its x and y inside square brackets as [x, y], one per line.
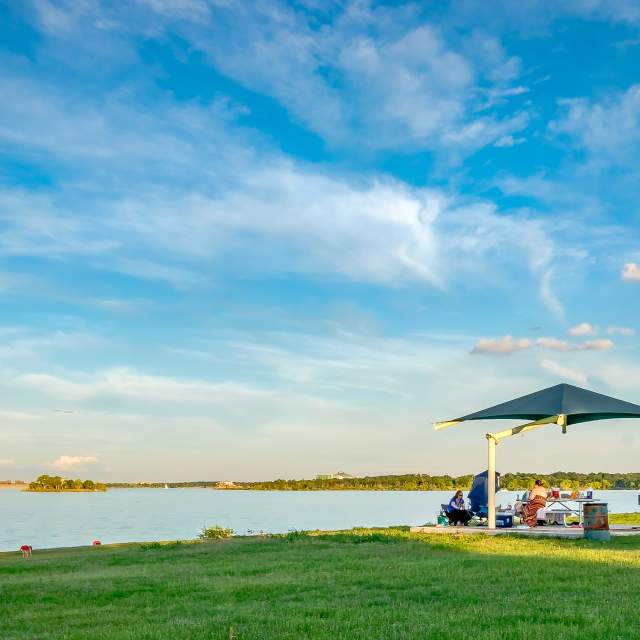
[564, 372]
[594, 345]
[620, 331]
[583, 329]
[501, 346]
[64, 463]
[607, 131]
[553, 343]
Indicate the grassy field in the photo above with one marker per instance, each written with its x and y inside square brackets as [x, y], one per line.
[358, 585]
[624, 518]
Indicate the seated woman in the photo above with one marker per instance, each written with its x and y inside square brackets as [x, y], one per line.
[537, 501]
[457, 511]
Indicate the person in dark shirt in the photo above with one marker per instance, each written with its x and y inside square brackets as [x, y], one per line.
[457, 510]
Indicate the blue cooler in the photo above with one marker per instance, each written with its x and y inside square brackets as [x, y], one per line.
[504, 520]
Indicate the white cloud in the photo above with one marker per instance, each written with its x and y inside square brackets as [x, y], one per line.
[508, 344]
[553, 344]
[504, 345]
[508, 141]
[621, 331]
[373, 76]
[222, 188]
[583, 329]
[631, 272]
[7, 462]
[380, 231]
[624, 11]
[575, 375]
[594, 345]
[608, 130]
[64, 463]
[24, 344]
[126, 383]
[228, 404]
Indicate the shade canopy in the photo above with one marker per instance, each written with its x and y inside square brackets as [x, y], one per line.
[578, 405]
[478, 495]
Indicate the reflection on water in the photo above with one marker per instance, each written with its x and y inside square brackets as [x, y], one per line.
[123, 515]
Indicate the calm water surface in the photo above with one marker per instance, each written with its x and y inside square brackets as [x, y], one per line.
[124, 515]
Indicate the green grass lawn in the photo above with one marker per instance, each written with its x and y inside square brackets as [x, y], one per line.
[624, 518]
[357, 585]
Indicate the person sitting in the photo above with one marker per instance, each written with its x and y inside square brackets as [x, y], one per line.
[457, 511]
[537, 501]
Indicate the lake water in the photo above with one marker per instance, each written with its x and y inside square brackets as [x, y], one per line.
[123, 515]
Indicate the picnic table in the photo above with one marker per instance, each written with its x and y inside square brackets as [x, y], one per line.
[559, 515]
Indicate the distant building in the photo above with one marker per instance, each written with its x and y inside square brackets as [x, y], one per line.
[226, 484]
[339, 475]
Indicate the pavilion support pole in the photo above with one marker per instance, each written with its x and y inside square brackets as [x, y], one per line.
[491, 480]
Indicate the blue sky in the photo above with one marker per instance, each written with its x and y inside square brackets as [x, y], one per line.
[261, 239]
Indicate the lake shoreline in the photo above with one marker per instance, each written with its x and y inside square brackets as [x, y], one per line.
[147, 516]
[64, 490]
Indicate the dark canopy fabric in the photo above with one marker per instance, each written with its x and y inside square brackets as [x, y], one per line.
[478, 494]
[579, 405]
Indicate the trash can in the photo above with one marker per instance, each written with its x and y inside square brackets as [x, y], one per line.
[596, 521]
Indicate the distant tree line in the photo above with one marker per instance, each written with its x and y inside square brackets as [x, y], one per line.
[203, 484]
[572, 480]
[58, 483]
[424, 482]
[411, 482]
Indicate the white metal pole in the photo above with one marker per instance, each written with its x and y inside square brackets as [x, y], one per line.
[491, 481]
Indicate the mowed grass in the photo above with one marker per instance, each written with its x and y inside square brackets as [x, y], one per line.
[358, 585]
[624, 518]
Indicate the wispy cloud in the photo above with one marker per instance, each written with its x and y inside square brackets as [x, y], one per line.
[7, 462]
[620, 331]
[508, 344]
[608, 130]
[575, 375]
[508, 141]
[553, 343]
[63, 463]
[390, 72]
[595, 345]
[219, 186]
[380, 231]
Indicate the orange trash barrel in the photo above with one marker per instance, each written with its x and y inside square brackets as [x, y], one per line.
[596, 521]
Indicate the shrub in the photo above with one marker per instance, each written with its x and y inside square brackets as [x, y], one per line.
[165, 546]
[294, 535]
[215, 533]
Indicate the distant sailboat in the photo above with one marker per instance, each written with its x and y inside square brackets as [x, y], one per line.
[166, 486]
